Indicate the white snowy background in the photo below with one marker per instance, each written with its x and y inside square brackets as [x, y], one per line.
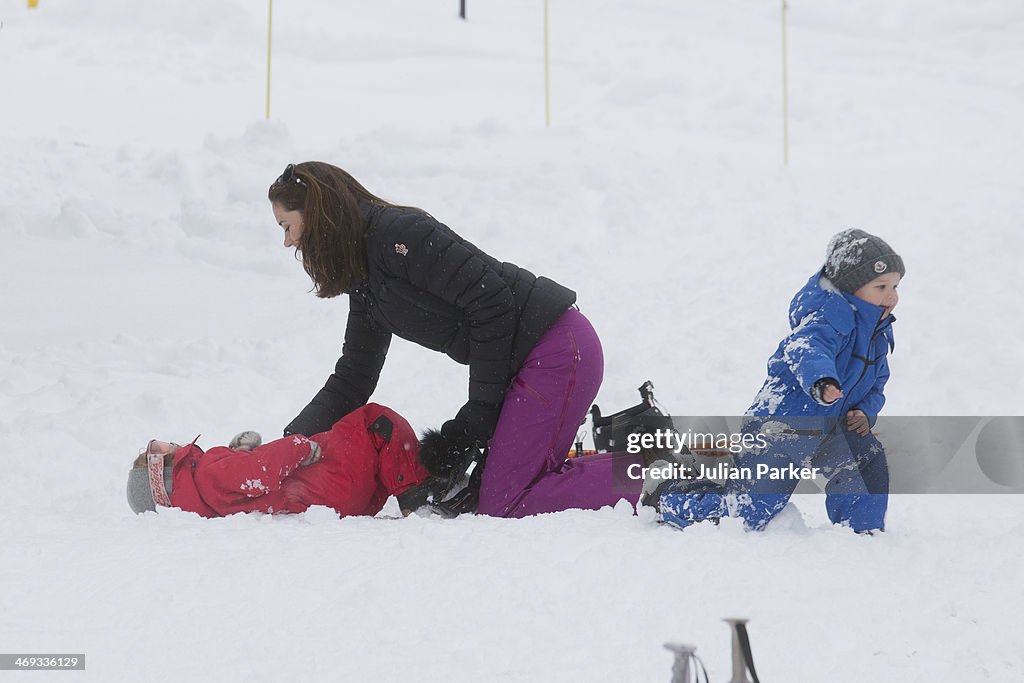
[145, 293]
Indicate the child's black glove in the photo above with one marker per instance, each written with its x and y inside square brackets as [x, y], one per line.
[826, 391]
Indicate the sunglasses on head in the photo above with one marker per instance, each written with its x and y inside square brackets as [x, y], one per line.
[288, 176]
[155, 446]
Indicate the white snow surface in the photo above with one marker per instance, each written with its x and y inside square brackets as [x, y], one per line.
[146, 294]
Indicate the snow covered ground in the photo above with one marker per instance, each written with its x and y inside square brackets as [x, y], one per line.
[145, 293]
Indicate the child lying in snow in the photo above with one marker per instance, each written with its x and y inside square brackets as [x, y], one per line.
[816, 409]
[370, 454]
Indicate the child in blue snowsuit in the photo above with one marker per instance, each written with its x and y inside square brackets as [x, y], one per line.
[823, 393]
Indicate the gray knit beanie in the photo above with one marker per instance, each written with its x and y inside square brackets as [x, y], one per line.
[140, 496]
[855, 258]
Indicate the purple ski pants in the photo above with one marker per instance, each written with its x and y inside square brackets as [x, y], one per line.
[527, 472]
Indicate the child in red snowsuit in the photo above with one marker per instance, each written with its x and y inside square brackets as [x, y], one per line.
[367, 456]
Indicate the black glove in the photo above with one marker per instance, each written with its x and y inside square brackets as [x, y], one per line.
[449, 449]
[326, 408]
[431, 491]
[479, 418]
[818, 389]
[448, 454]
[313, 419]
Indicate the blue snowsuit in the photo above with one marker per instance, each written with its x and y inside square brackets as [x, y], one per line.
[834, 335]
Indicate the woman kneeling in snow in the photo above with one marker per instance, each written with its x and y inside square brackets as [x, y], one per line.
[370, 454]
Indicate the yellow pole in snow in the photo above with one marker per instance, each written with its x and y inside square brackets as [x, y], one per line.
[785, 92]
[547, 77]
[32, 4]
[270, 33]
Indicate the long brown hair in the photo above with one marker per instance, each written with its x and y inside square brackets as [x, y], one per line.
[333, 242]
